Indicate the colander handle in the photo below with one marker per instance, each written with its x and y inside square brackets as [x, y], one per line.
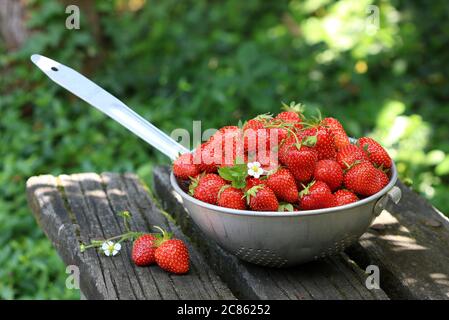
[393, 195]
[102, 100]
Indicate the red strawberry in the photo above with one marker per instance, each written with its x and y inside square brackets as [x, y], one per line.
[251, 182]
[348, 155]
[318, 201]
[301, 163]
[316, 195]
[285, 147]
[323, 141]
[292, 114]
[281, 134]
[315, 187]
[283, 185]
[365, 179]
[376, 153]
[343, 197]
[257, 140]
[143, 250]
[330, 172]
[226, 132]
[256, 136]
[289, 117]
[224, 147]
[172, 255]
[203, 156]
[183, 167]
[206, 187]
[383, 179]
[340, 137]
[262, 198]
[255, 123]
[228, 129]
[263, 148]
[268, 160]
[230, 197]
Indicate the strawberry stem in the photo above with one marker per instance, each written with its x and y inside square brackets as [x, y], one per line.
[131, 235]
[165, 236]
[128, 235]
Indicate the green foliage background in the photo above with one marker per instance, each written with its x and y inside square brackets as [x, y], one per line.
[215, 61]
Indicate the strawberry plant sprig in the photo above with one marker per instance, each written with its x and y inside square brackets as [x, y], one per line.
[236, 174]
[110, 247]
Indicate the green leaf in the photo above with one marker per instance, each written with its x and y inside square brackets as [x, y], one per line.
[236, 174]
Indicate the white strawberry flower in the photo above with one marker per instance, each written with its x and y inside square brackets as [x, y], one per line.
[110, 248]
[254, 169]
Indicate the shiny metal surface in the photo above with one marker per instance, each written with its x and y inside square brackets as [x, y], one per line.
[105, 102]
[281, 239]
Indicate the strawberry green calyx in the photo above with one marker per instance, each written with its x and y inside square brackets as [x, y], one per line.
[264, 117]
[349, 167]
[306, 189]
[194, 183]
[223, 189]
[161, 237]
[269, 173]
[364, 147]
[294, 107]
[313, 121]
[310, 141]
[382, 168]
[285, 206]
[252, 192]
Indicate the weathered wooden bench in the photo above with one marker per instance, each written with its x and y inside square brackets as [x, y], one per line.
[408, 242]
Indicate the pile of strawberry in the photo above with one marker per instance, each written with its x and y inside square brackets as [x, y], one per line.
[284, 163]
[170, 254]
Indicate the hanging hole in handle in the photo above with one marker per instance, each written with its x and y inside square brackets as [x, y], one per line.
[54, 69]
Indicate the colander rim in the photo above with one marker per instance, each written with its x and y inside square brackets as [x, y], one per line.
[371, 198]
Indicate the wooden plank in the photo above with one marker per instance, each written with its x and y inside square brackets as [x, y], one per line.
[83, 207]
[332, 278]
[410, 244]
[52, 215]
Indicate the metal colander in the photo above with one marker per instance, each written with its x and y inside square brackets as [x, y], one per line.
[281, 239]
